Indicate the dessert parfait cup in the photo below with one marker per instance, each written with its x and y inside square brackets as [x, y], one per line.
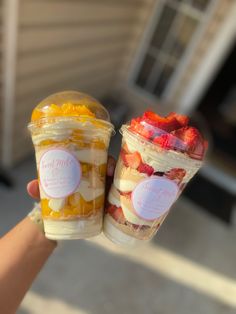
[71, 133]
[153, 168]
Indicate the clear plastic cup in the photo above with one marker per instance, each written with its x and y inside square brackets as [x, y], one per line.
[148, 179]
[71, 133]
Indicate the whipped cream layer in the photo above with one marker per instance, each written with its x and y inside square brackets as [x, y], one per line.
[61, 130]
[93, 156]
[160, 159]
[72, 229]
[126, 178]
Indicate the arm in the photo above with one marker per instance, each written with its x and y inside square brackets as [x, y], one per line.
[24, 250]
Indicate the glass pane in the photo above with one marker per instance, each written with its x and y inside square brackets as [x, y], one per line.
[200, 4]
[163, 26]
[163, 79]
[145, 70]
[182, 36]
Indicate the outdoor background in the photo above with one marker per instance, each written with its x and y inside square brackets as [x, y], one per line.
[167, 55]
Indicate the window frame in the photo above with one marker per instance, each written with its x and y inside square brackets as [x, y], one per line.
[145, 47]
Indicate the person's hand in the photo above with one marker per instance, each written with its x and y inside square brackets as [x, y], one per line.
[33, 187]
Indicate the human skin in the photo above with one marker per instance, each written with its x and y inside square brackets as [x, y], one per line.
[24, 250]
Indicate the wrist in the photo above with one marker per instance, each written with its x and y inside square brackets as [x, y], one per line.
[35, 217]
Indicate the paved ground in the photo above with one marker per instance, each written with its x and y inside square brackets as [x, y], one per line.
[188, 268]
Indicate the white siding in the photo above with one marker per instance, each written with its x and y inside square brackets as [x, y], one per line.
[68, 44]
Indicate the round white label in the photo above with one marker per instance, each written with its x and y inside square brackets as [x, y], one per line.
[59, 173]
[153, 197]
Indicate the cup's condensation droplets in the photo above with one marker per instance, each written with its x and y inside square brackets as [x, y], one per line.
[59, 173]
[153, 197]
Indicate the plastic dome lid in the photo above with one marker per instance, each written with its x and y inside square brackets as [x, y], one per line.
[69, 104]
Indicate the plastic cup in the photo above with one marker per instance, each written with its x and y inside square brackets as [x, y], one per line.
[71, 133]
[148, 180]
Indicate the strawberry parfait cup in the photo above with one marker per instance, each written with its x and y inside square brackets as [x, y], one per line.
[158, 157]
[71, 133]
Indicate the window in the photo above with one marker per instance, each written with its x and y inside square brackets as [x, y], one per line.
[172, 30]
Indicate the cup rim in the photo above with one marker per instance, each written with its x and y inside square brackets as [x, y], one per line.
[150, 143]
[37, 124]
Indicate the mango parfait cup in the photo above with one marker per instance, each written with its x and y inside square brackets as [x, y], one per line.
[71, 134]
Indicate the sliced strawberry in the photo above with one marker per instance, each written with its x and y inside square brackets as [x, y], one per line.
[188, 135]
[132, 160]
[195, 145]
[145, 168]
[182, 119]
[165, 141]
[137, 127]
[116, 213]
[110, 208]
[199, 150]
[175, 174]
[126, 194]
[164, 123]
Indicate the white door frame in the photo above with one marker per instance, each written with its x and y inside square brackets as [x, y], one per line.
[209, 66]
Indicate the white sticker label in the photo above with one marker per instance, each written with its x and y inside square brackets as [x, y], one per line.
[59, 173]
[153, 197]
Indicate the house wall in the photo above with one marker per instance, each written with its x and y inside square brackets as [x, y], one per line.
[1, 107]
[86, 45]
[68, 44]
[138, 100]
[124, 88]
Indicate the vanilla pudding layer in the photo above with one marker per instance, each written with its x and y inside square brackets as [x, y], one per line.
[161, 159]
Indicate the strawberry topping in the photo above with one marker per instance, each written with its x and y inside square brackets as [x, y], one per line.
[165, 141]
[168, 123]
[193, 140]
[182, 119]
[137, 127]
[189, 135]
[170, 132]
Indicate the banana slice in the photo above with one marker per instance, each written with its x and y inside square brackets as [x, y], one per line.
[57, 204]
